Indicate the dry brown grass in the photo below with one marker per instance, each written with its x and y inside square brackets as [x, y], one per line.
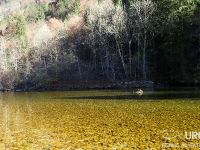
[75, 25]
[85, 4]
[55, 24]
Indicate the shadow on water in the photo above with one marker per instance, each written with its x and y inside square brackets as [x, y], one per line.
[156, 96]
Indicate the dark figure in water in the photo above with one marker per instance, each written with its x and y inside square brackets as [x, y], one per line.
[139, 92]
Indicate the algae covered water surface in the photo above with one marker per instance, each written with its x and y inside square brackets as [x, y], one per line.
[100, 120]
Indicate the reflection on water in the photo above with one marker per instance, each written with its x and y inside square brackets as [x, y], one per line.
[17, 129]
[95, 119]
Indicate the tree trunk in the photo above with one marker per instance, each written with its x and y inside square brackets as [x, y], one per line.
[130, 59]
[144, 57]
[107, 63]
[126, 4]
[138, 56]
[79, 69]
[121, 57]
[95, 62]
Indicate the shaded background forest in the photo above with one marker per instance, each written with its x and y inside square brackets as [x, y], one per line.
[71, 43]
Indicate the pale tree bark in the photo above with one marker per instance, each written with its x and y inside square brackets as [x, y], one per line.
[3, 53]
[121, 57]
[142, 10]
[109, 20]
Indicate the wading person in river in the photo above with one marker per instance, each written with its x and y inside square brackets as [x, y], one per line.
[138, 92]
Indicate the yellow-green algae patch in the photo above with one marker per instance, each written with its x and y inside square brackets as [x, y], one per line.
[56, 120]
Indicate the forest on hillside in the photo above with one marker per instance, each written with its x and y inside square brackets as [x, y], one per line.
[49, 44]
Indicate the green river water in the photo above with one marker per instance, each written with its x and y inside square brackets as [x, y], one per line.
[102, 119]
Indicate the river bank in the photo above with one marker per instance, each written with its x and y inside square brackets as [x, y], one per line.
[103, 84]
[85, 84]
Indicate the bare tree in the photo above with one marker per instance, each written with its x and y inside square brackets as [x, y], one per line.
[141, 14]
[106, 19]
